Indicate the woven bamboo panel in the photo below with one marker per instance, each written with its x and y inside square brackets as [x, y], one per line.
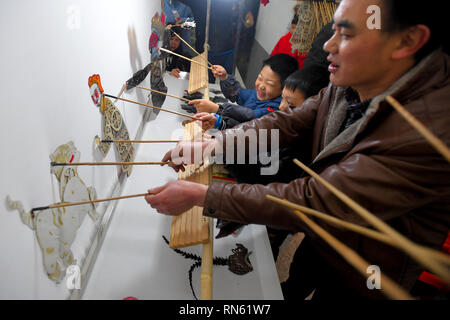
[191, 228]
[198, 78]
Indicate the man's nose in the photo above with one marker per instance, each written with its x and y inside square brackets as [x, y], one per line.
[331, 45]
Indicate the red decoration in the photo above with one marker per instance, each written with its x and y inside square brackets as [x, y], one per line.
[270, 109]
[130, 298]
[153, 40]
[264, 2]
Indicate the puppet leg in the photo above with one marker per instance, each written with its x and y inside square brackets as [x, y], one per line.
[26, 217]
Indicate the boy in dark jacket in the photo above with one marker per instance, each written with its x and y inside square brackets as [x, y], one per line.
[175, 64]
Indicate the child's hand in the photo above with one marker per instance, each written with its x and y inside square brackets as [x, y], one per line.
[175, 72]
[220, 72]
[203, 105]
[208, 120]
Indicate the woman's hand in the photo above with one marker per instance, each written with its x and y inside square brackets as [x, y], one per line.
[204, 105]
[177, 197]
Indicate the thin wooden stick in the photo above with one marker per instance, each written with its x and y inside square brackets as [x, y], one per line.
[163, 93]
[124, 87]
[185, 42]
[140, 141]
[179, 55]
[150, 106]
[69, 204]
[357, 228]
[426, 133]
[389, 287]
[338, 222]
[54, 164]
[406, 244]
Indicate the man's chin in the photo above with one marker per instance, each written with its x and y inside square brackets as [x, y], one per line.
[337, 82]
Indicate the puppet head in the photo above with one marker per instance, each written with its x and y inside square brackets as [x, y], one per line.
[96, 89]
[65, 153]
[158, 37]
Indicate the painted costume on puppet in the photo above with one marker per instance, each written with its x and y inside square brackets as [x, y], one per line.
[159, 38]
[56, 228]
[114, 127]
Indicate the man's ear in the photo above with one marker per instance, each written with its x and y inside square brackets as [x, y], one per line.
[412, 40]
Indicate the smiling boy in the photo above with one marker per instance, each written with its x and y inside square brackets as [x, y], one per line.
[251, 104]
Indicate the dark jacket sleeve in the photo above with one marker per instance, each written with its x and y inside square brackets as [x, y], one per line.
[230, 88]
[228, 122]
[237, 112]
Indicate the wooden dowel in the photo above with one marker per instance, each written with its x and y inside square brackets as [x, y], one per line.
[338, 222]
[150, 106]
[140, 141]
[357, 228]
[185, 42]
[179, 55]
[54, 164]
[124, 87]
[389, 287]
[163, 93]
[70, 204]
[403, 242]
[424, 131]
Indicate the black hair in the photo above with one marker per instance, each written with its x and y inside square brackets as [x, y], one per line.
[401, 15]
[175, 29]
[309, 80]
[282, 64]
[295, 19]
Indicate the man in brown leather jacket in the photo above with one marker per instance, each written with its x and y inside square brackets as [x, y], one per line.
[360, 144]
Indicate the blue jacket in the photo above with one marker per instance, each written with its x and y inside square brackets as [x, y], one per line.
[247, 98]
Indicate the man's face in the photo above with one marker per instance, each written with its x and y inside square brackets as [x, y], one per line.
[291, 99]
[359, 57]
[268, 84]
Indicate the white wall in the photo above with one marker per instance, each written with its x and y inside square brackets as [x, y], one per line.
[274, 21]
[45, 62]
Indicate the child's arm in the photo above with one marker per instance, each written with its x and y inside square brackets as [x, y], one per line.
[216, 121]
[237, 112]
[244, 114]
[228, 84]
[231, 88]
[232, 115]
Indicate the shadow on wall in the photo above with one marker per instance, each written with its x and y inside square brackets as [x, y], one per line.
[136, 64]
